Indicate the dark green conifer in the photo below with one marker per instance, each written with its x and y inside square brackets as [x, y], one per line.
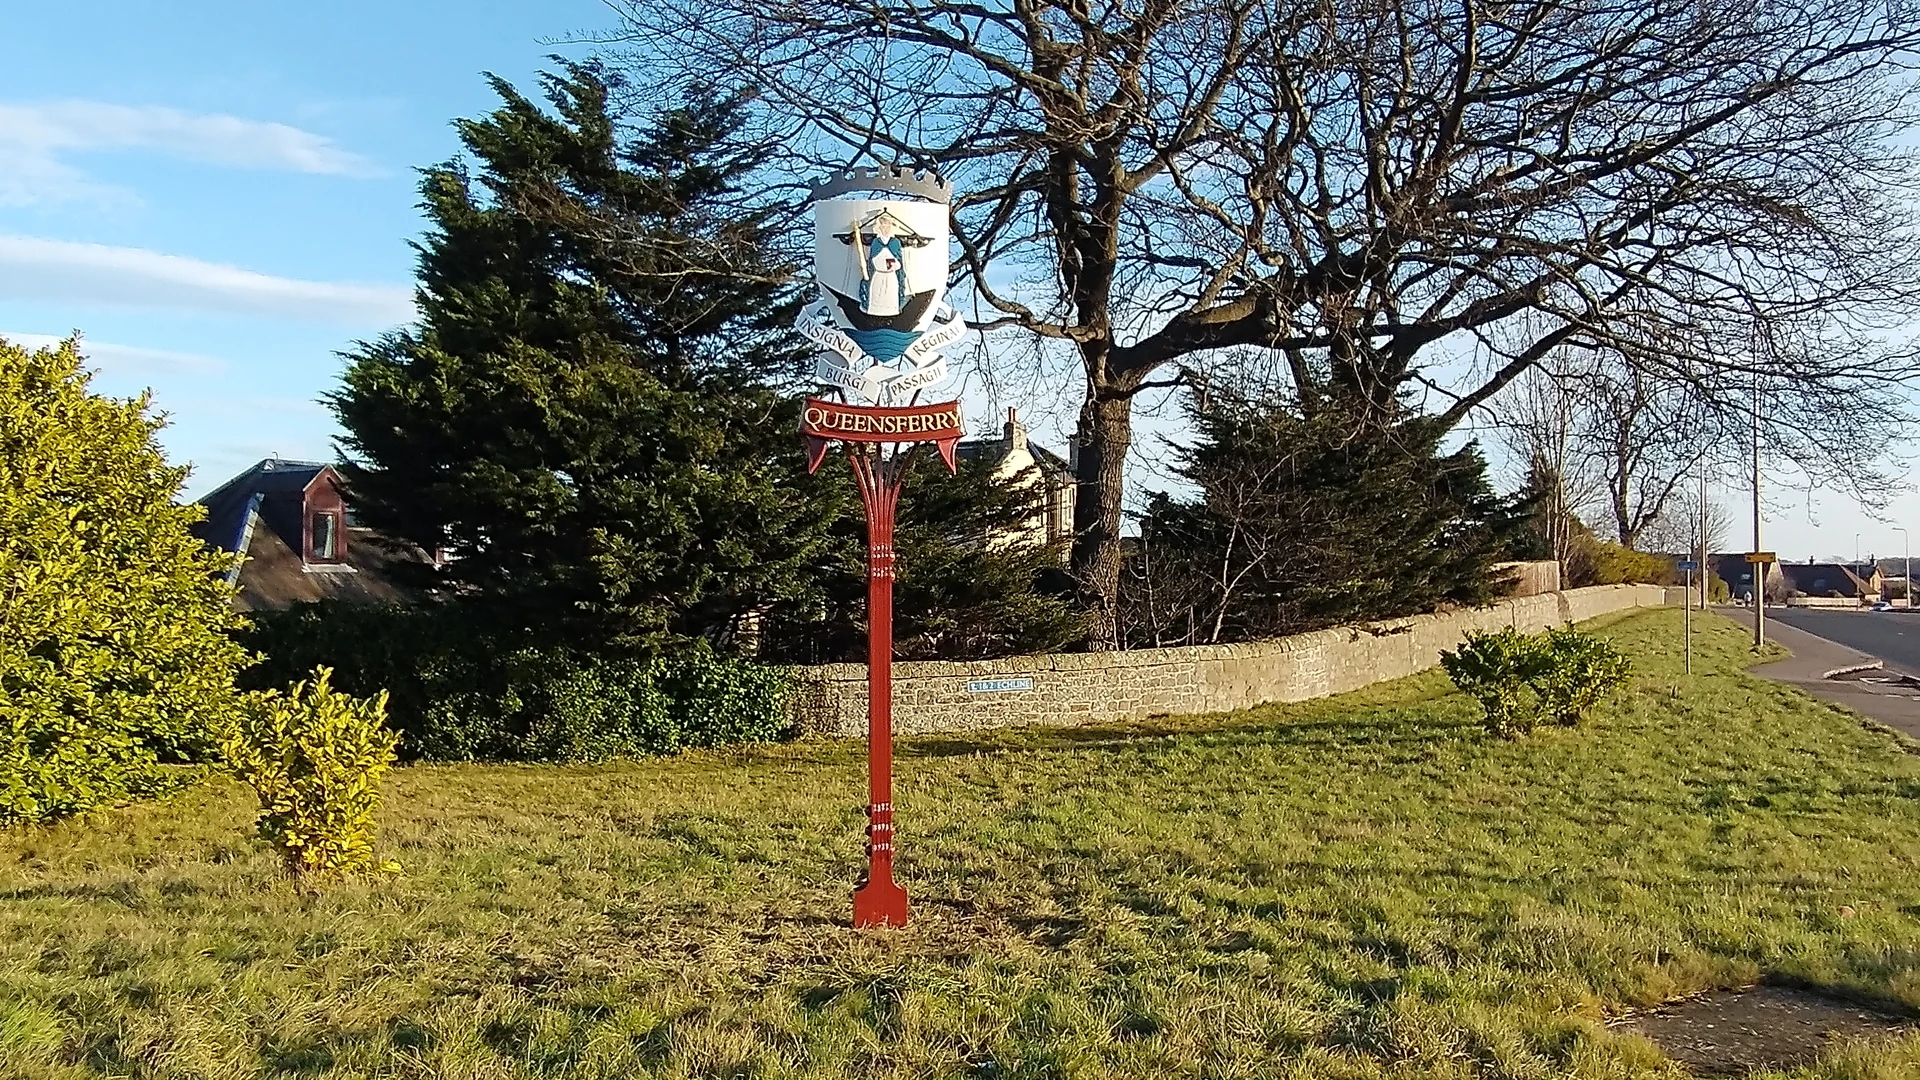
[1311, 519]
[584, 417]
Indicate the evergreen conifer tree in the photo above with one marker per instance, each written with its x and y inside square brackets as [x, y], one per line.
[582, 416]
[1312, 519]
[969, 585]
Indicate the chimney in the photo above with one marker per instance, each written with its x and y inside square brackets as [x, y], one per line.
[1016, 435]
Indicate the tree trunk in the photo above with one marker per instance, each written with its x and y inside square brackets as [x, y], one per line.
[1106, 431]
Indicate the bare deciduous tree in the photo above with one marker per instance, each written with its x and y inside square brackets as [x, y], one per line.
[1536, 418]
[1681, 527]
[1368, 189]
[1645, 440]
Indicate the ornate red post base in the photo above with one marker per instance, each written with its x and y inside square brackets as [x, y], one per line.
[879, 900]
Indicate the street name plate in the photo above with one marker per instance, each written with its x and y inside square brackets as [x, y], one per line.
[1687, 564]
[997, 686]
[1761, 557]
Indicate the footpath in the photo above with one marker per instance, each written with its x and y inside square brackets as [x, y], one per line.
[1848, 677]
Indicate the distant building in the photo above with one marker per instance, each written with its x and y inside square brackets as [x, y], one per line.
[1819, 580]
[1895, 567]
[291, 522]
[1833, 580]
[1737, 573]
[1016, 458]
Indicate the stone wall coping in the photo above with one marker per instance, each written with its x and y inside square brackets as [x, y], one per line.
[1405, 626]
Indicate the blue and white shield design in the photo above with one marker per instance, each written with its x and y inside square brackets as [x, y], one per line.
[881, 315]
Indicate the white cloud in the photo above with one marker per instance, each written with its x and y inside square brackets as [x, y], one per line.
[135, 277]
[34, 140]
[124, 359]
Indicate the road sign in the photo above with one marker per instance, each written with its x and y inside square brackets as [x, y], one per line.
[1687, 564]
[1761, 557]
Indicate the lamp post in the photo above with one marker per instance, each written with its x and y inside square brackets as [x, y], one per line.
[1907, 545]
[1705, 556]
[1758, 561]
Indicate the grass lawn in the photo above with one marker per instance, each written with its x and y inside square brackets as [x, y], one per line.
[1365, 886]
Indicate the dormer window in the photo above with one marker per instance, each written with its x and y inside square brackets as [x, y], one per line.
[326, 537]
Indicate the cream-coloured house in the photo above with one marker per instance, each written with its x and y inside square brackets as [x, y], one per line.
[1016, 459]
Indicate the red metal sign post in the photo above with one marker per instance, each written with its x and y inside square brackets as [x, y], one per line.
[879, 473]
[880, 238]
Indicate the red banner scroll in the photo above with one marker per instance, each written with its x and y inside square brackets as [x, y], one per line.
[824, 421]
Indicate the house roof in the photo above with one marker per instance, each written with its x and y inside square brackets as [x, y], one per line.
[275, 578]
[231, 505]
[260, 512]
[1734, 569]
[1049, 461]
[992, 451]
[1824, 579]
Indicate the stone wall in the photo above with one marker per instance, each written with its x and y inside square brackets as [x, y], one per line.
[1826, 601]
[1079, 688]
[1531, 578]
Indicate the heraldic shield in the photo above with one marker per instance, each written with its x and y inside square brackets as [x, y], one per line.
[883, 266]
[881, 316]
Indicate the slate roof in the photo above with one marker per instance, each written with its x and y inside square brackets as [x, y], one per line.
[274, 578]
[992, 450]
[261, 513]
[231, 504]
[1824, 579]
[1730, 568]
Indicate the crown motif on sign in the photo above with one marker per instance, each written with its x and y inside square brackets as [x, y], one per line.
[928, 185]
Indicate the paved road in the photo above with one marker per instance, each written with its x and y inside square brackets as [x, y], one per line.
[1845, 640]
[1891, 636]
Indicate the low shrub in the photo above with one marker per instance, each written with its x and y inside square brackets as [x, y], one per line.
[1499, 671]
[315, 758]
[1580, 670]
[1519, 679]
[459, 692]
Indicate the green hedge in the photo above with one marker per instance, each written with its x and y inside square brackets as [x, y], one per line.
[1602, 562]
[458, 691]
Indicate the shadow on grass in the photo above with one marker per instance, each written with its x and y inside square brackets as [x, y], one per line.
[305, 1057]
[881, 999]
[1410, 728]
[1864, 980]
[122, 893]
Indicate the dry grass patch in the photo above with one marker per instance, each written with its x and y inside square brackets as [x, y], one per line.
[1363, 887]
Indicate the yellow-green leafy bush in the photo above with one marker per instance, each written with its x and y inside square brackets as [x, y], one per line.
[114, 655]
[1502, 671]
[1600, 562]
[315, 757]
[1581, 669]
[1518, 679]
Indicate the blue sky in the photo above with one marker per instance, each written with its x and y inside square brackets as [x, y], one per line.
[219, 196]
